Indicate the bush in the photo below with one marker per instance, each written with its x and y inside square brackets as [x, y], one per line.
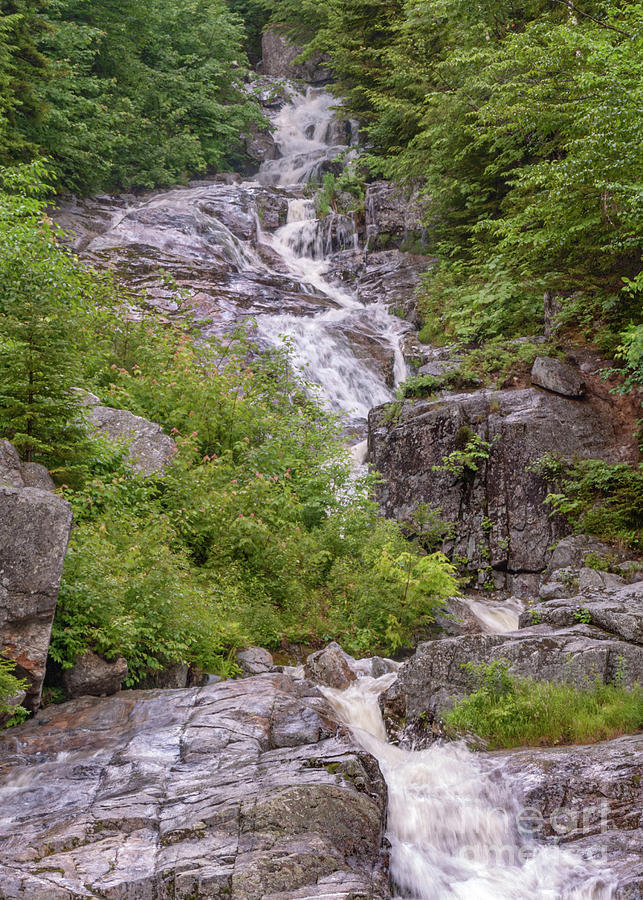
[599, 498]
[258, 532]
[512, 712]
[10, 687]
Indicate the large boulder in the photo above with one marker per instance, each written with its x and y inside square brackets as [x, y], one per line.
[149, 449]
[246, 790]
[557, 376]
[502, 526]
[278, 60]
[435, 676]
[330, 667]
[34, 531]
[93, 676]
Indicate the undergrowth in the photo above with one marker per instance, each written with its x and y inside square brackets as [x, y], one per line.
[506, 711]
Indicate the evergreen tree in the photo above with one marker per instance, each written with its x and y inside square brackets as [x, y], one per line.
[42, 293]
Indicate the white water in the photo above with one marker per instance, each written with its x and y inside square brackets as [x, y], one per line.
[304, 133]
[496, 616]
[453, 823]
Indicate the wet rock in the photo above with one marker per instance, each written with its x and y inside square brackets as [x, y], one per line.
[434, 677]
[34, 531]
[245, 789]
[149, 449]
[95, 677]
[620, 613]
[37, 476]
[261, 146]
[393, 216]
[392, 277]
[330, 667]
[254, 661]
[588, 799]
[11, 474]
[502, 526]
[278, 60]
[557, 376]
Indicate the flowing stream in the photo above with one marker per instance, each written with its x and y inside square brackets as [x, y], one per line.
[454, 825]
[212, 238]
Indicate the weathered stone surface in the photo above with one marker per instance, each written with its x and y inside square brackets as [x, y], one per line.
[278, 59]
[571, 553]
[149, 449]
[92, 676]
[330, 666]
[11, 474]
[254, 661]
[502, 524]
[557, 376]
[434, 677]
[620, 612]
[246, 790]
[34, 531]
[588, 799]
[392, 215]
[260, 146]
[37, 476]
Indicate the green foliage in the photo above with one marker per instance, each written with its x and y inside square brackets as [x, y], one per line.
[43, 294]
[258, 532]
[511, 712]
[599, 498]
[464, 461]
[522, 125]
[341, 193]
[124, 95]
[10, 687]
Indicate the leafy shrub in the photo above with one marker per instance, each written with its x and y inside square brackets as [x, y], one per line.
[511, 712]
[599, 498]
[10, 687]
[471, 450]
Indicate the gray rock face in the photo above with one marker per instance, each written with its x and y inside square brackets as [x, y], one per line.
[330, 667]
[254, 661]
[11, 474]
[557, 376]
[434, 677]
[246, 790]
[95, 677]
[278, 60]
[392, 215]
[37, 476]
[149, 449]
[34, 531]
[586, 798]
[571, 553]
[620, 612]
[502, 524]
[260, 146]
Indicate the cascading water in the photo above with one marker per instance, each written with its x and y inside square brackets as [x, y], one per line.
[455, 827]
[305, 134]
[276, 275]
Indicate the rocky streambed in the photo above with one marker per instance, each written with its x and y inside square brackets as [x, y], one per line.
[276, 787]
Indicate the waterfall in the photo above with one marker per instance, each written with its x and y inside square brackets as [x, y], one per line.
[305, 136]
[456, 828]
